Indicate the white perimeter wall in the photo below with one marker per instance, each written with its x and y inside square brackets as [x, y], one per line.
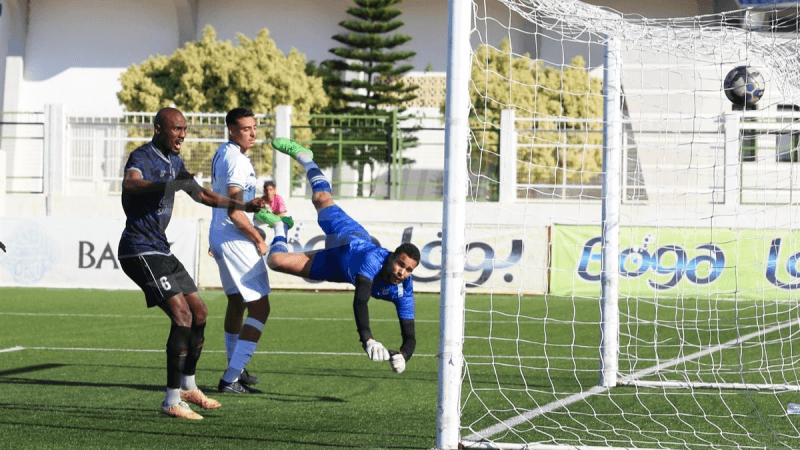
[73, 51]
[76, 50]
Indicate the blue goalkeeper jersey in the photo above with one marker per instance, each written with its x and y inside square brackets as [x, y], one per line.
[349, 251]
[148, 214]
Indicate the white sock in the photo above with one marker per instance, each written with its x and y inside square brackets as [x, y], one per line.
[230, 344]
[241, 356]
[173, 397]
[280, 229]
[304, 158]
[188, 382]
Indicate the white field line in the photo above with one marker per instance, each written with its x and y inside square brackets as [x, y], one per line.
[161, 316]
[155, 350]
[486, 433]
[265, 352]
[11, 349]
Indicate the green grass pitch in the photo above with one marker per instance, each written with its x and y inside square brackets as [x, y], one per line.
[85, 369]
[92, 376]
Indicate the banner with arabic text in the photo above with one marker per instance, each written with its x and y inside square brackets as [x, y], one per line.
[499, 260]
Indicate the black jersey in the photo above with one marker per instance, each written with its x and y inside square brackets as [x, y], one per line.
[148, 214]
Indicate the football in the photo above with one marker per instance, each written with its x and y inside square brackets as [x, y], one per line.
[744, 85]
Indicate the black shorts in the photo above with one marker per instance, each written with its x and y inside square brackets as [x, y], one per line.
[159, 276]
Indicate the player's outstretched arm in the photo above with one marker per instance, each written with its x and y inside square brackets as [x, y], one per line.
[133, 183]
[399, 359]
[409, 338]
[214, 200]
[375, 350]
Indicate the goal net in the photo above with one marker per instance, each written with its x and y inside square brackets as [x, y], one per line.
[661, 218]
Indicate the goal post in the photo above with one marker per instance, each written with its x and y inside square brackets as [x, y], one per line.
[451, 311]
[612, 199]
[651, 296]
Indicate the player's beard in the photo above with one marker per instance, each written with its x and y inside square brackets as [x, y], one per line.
[386, 271]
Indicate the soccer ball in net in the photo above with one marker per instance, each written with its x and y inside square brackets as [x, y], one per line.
[744, 85]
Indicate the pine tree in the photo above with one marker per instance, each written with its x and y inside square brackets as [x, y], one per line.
[365, 79]
[371, 58]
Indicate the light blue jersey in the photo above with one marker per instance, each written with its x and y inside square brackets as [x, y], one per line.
[231, 167]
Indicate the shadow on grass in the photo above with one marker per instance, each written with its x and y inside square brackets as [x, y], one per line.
[275, 396]
[297, 398]
[6, 378]
[199, 432]
[27, 381]
[29, 369]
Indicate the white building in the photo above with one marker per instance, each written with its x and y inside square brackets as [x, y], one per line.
[72, 52]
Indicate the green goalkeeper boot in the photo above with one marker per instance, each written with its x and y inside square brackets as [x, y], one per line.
[289, 147]
[265, 216]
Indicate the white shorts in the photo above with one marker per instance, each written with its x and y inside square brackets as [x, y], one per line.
[241, 270]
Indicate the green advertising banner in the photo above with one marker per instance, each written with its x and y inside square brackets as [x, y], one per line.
[681, 262]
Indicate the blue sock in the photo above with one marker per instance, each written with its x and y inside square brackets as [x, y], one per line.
[315, 176]
[318, 181]
[278, 245]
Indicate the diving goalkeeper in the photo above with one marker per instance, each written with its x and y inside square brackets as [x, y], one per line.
[349, 256]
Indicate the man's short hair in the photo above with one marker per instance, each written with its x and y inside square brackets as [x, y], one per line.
[235, 114]
[409, 249]
[161, 116]
[269, 183]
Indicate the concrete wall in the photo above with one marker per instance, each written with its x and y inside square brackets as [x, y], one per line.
[74, 51]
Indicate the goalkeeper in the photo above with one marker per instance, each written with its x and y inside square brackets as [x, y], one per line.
[349, 256]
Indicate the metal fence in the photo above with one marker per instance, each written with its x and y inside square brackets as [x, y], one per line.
[23, 139]
[751, 156]
[388, 157]
[98, 147]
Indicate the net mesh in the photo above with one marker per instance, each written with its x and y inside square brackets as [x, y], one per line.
[708, 263]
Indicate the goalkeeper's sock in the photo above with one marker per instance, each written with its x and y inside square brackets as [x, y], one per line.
[315, 176]
[241, 356]
[188, 383]
[230, 344]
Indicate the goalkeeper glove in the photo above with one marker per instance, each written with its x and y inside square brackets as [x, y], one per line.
[376, 351]
[398, 362]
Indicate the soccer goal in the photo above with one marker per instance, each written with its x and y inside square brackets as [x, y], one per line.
[649, 169]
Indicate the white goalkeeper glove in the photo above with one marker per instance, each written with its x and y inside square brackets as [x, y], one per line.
[376, 351]
[398, 362]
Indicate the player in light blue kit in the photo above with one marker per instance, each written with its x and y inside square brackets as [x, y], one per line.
[349, 256]
[237, 247]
